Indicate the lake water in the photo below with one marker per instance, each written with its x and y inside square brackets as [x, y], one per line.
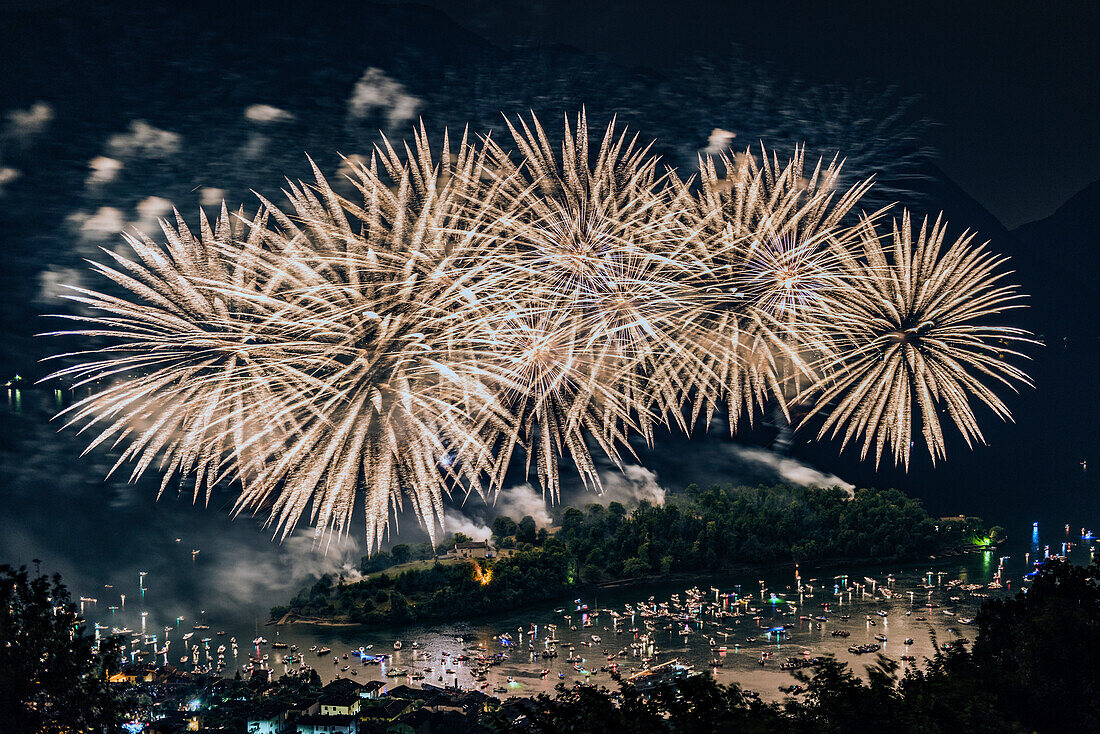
[438, 645]
[101, 534]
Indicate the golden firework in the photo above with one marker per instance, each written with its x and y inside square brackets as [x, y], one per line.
[406, 344]
[915, 331]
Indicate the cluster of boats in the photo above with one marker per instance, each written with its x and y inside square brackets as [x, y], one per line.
[627, 642]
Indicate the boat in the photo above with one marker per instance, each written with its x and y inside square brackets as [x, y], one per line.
[324, 651]
[660, 676]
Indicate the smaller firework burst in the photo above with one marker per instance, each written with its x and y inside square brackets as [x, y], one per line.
[915, 332]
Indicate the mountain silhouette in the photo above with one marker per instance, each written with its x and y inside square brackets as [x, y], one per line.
[1035, 461]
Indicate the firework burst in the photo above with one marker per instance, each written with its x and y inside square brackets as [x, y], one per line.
[914, 332]
[182, 376]
[766, 238]
[405, 345]
[597, 262]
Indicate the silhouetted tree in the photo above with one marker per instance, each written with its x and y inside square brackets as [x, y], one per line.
[51, 679]
[526, 531]
[401, 553]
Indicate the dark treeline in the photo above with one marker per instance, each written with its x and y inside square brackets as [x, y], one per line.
[695, 531]
[51, 677]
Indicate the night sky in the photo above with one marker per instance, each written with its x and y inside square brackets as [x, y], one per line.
[232, 97]
[1013, 85]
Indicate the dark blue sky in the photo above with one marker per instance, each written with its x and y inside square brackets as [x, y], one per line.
[171, 95]
[1013, 84]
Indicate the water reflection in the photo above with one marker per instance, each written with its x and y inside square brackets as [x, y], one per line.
[101, 534]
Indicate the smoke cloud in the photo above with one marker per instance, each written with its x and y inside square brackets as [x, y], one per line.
[104, 170]
[52, 284]
[143, 140]
[209, 196]
[7, 175]
[24, 124]
[265, 113]
[455, 522]
[376, 93]
[631, 486]
[719, 141]
[789, 470]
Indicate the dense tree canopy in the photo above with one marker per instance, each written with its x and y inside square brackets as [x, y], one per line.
[51, 679]
[695, 531]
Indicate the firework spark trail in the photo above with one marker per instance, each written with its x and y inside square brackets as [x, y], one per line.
[910, 332]
[767, 239]
[545, 301]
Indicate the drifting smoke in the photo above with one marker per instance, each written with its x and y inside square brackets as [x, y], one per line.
[523, 500]
[7, 175]
[55, 282]
[265, 113]
[634, 484]
[104, 170]
[144, 141]
[210, 196]
[104, 224]
[456, 522]
[377, 94]
[244, 580]
[719, 141]
[629, 487]
[24, 124]
[789, 470]
[516, 502]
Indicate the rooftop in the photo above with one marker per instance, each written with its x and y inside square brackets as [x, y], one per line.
[342, 685]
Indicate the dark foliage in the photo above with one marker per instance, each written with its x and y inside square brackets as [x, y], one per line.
[51, 679]
[694, 531]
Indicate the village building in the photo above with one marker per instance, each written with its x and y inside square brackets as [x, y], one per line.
[473, 549]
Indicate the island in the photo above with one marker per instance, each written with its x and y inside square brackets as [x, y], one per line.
[696, 531]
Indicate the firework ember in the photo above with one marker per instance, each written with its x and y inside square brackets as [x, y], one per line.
[541, 300]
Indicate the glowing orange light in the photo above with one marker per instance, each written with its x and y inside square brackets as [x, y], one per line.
[482, 575]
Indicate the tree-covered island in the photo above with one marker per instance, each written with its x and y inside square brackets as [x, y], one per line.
[695, 531]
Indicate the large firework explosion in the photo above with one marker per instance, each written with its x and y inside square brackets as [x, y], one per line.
[530, 296]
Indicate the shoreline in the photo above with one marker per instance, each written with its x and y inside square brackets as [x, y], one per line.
[621, 584]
